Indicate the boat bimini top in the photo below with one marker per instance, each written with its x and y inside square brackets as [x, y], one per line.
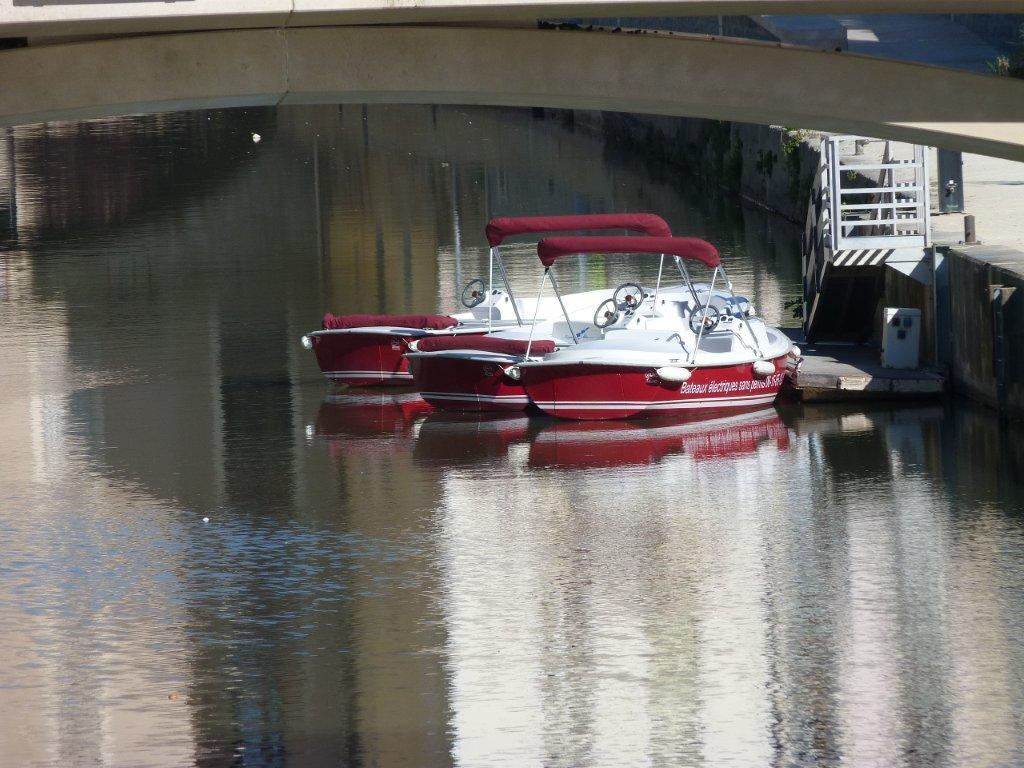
[704, 316]
[502, 228]
[551, 248]
[643, 223]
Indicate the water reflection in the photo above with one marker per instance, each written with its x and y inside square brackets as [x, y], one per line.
[621, 443]
[380, 584]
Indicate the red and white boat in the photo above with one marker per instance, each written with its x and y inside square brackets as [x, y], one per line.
[366, 350]
[481, 373]
[692, 355]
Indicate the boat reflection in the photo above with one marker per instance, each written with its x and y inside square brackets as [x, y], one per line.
[456, 439]
[610, 444]
[368, 416]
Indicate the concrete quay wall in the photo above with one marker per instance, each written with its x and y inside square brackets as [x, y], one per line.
[987, 340]
[770, 167]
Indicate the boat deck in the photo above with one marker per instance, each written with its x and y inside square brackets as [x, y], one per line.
[837, 372]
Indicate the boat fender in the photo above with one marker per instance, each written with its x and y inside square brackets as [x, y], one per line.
[513, 372]
[674, 375]
[763, 368]
[307, 342]
[412, 344]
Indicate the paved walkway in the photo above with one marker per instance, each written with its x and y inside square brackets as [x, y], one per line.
[929, 39]
[993, 188]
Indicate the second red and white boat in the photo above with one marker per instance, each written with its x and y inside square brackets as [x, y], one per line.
[369, 350]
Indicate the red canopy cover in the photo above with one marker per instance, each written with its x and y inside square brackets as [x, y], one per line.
[485, 344]
[551, 248]
[425, 322]
[647, 223]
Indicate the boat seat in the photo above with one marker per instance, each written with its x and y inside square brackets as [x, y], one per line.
[583, 331]
[716, 342]
[422, 322]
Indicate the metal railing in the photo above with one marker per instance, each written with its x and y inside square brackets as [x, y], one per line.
[891, 210]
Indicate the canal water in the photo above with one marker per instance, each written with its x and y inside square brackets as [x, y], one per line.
[210, 559]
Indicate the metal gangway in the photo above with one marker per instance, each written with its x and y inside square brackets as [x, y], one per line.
[869, 206]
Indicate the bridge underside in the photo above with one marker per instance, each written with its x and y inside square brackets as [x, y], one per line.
[669, 75]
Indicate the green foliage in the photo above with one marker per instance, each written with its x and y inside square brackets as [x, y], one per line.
[791, 141]
[1012, 65]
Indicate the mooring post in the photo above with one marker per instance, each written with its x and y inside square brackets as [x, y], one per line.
[970, 232]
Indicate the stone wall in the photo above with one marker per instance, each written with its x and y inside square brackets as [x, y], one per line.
[768, 166]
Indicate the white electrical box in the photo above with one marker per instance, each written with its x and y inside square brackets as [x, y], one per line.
[901, 337]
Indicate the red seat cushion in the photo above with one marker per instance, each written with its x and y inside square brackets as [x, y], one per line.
[485, 344]
[424, 322]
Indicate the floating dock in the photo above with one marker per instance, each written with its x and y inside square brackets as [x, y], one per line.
[839, 372]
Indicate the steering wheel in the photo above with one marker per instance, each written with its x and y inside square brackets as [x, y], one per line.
[607, 313]
[708, 317]
[628, 296]
[473, 294]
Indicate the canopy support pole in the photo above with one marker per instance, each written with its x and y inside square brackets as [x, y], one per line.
[657, 286]
[536, 311]
[562, 305]
[742, 319]
[689, 283]
[508, 284]
[711, 291]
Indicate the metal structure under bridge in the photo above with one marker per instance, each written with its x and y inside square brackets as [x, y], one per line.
[868, 210]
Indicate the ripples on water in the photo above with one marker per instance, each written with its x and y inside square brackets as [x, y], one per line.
[379, 584]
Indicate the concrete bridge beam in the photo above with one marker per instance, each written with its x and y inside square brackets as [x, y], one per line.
[19, 18]
[678, 75]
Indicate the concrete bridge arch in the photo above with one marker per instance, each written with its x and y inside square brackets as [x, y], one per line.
[692, 76]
